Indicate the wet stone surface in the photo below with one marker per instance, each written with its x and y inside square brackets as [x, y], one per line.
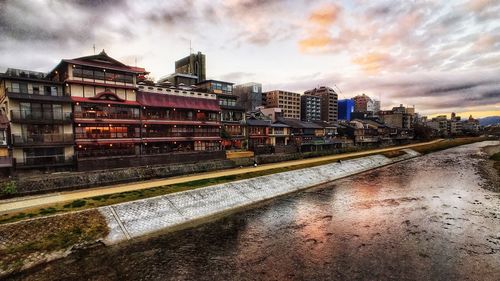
[423, 219]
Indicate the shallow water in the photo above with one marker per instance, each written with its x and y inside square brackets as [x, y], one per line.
[423, 219]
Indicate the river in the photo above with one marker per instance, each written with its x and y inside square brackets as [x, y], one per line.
[423, 219]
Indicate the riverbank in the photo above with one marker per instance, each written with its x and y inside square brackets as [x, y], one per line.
[62, 202]
[25, 247]
[122, 226]
[489, 167]
[426, 217]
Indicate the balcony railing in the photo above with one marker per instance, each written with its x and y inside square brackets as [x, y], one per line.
[53, 92]
[42, 139]
[177, 118]
[105, 115]
[39, 116]
[106, 135]
[180, 134]
[105, 152]
[48, 160]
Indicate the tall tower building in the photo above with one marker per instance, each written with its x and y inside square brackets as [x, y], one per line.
[194, 64]
[329, 103]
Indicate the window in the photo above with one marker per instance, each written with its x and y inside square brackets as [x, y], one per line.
[15, 87]
[88, 73]
[77, 71]
[23, 88]
[36, 90]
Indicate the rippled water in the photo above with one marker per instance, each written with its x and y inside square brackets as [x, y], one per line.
[422, 219]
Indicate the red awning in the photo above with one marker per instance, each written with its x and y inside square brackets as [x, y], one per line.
[87, 100]
[173, 101]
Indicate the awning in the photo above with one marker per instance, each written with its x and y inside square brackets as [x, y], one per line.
[173, 101]
[87, 100]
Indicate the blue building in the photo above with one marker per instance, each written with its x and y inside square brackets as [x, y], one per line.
[346, 107]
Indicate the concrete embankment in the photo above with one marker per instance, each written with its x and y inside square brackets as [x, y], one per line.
[134, 219]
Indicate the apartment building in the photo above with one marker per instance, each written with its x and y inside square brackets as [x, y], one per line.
[39, 112]
[289, 102]
[329, 103]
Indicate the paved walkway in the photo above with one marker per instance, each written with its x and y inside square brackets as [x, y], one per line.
[29, 202]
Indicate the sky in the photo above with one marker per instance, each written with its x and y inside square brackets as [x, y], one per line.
[439, 56]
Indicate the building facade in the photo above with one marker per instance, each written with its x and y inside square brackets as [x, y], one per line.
[39, 111]
[329, 103]
[346, 107]
[232, 115]
[289, 102]
[194, 64]
[310, 108]
[249, 95]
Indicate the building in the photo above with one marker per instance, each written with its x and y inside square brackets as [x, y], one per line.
[6, 164]
[363, 103]
[39, 112]
[329, 103]
[106, 114]
[289, 102]
[272, 113]
[346, 107]
[249, 95]
[232, 115]
[398, 117]
[178, 80]
[309, 136]
[310, 108]
[194, 64]
[179, 123]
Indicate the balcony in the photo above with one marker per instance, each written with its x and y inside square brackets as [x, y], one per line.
[105, 115]
[107, 135]
[180, 134]
[39, 117]
[46, 161]
[42, 139]
[41, 95]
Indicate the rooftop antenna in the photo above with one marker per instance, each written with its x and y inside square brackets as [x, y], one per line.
[190, 49]
[342, 93]
[93, 46]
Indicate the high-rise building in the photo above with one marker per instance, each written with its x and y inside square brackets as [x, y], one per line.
[329, 103]
[194, 64]
[346, 107]
[310, 108]
[289, 102]
[249, 95]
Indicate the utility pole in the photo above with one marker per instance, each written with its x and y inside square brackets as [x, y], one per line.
[93, 46]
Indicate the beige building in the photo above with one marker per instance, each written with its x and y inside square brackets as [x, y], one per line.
[289, 102]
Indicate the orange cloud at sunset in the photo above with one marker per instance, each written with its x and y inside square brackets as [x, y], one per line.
[326, 15]
[372, 62]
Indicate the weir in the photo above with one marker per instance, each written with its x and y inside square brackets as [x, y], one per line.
[137, 218]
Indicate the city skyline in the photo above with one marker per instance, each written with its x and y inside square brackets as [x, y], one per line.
[438, 57]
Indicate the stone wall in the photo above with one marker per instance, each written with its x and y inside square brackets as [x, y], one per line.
[27, 185]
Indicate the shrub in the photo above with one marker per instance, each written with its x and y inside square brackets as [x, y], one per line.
[9, 188]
